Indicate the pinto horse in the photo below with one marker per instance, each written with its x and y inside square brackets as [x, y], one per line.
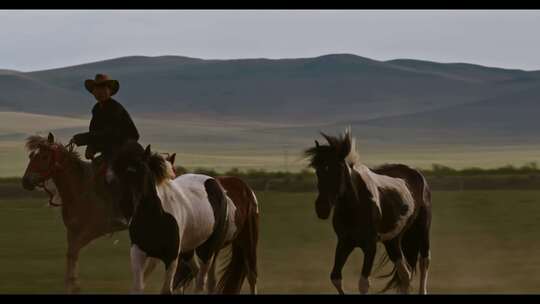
[390, 204]
[242, 262]
[169, 217]
[71, 183]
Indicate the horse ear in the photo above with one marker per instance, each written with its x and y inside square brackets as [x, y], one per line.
[316, 144]
[331, 141]
[50, 138]
[147, 152]
[346, 146]
[172, 158]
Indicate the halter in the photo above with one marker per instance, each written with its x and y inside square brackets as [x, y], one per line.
[53, 167]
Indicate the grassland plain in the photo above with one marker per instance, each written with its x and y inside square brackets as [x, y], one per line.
[482, 242]
[227, 144]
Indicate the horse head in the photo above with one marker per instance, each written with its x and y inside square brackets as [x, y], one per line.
[45, 159]
[329, 162]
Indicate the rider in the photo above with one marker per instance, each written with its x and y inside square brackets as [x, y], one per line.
[111, 125]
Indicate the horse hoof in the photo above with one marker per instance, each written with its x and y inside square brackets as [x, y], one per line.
[363, 285]
[73, 286]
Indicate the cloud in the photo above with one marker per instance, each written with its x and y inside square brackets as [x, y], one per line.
[34, 40]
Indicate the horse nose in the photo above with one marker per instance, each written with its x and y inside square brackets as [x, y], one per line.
[27, 184]
[322, 207]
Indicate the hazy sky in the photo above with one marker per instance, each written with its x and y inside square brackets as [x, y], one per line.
[33, 40]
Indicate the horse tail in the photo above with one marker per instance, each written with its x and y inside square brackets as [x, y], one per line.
[411, 250]
[243, 258]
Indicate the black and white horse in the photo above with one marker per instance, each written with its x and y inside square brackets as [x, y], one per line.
[390, 204]
[169, 216]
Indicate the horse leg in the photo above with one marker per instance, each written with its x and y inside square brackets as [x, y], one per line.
[251, 266]
[170, 271]
[202, 275]
[72, 267]
[138, 263]
[343, 250]
[424, 267]
[150, 267]
[425, 257]
[76, 241]
[393, 247]
[369, 257]
[212, 282]
[191, 262]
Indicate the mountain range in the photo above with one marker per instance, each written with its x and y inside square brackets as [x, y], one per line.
[326, 89]
[260, 108]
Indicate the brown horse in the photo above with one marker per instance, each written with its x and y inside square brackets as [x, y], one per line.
[242, 262]
[85, 214]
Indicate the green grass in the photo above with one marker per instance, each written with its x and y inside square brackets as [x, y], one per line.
[222, 145]
[482, 242]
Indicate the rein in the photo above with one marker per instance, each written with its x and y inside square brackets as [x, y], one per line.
[54, 165]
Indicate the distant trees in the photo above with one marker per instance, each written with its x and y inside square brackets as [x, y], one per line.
[439, 176]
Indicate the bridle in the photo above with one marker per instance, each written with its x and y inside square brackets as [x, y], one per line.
[53, 167]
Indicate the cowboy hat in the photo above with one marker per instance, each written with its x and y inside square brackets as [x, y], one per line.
[102, 79]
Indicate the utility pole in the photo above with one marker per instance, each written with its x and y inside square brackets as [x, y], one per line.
[286, 158]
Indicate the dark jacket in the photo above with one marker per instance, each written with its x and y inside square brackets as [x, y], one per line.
[110, 127]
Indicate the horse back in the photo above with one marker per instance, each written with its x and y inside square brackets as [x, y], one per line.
[416, 183]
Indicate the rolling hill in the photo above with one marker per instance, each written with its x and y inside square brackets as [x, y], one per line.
[251, 112]
[324, 89]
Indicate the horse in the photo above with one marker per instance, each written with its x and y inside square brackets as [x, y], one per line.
[243, 260]
[169, 217]
[71, 183]
[390, 204]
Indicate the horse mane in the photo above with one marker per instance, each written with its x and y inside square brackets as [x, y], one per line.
[36, 142]
[353, 158]
[160, 168]
[339, 147]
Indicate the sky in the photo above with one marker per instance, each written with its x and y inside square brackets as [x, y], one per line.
[37, 40]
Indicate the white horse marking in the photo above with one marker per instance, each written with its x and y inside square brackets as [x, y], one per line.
[256, 201]
[374, 182]
[50, 186]
[202, 277]
[404, 275]
[138, 263]
[424, 267]
[167, 287]
[231, 220]
[185, 198]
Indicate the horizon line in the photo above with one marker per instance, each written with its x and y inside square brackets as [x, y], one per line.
[267, 58]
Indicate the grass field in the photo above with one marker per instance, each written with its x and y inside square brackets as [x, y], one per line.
[482, 242]
[223, 145]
